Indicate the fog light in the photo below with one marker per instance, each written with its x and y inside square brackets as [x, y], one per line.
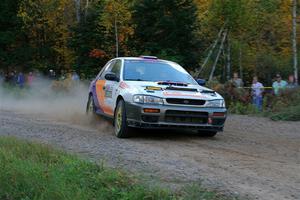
[218, 114]
[151, 110]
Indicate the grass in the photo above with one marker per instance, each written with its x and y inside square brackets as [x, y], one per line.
[32, 171]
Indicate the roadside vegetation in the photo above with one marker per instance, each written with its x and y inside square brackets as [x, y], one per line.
[284, 107]
[33, 171]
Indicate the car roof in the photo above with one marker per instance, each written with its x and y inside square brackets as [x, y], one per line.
[142, 58]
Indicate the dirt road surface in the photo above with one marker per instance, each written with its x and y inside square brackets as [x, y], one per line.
[254, 157]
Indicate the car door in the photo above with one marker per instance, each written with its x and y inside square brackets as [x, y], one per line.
[107, 89]
[111, 87]
[100, 85]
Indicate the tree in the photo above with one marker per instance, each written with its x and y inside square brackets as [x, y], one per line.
[10, 34]
[166, 29]
[46, 27]
[117, 21]
[89, 42]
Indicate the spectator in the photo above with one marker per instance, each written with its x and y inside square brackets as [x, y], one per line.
[257, 93]
[1, 77]
[279, 85]
[75, 76]
[10, 78]
[30, 79]
[237, 82]
[291, 82]
[21, 80]
[52, 74]
[63, 75]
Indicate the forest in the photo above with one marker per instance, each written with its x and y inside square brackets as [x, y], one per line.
[211, 38]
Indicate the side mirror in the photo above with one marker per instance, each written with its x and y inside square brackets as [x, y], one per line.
[111, 77]
[201, 82]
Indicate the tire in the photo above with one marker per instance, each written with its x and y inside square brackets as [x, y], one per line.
[90, 106]
[120, 121]
[207, 133]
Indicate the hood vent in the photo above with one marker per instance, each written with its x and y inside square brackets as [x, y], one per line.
[172, 83]
[182, 89]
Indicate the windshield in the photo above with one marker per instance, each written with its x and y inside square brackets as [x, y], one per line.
[154, 71]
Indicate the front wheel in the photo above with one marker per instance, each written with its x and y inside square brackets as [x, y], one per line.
[207, 133]
[120, 121]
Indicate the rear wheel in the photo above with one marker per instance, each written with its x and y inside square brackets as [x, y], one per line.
[207, 133]
[120, 121]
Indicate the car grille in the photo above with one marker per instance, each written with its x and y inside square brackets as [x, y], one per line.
[189, 117]
[196, 102]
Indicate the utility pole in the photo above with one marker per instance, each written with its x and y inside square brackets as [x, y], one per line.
[210, 51]
[117, 38]
[218, 55]
[116, 30]
[294, 40]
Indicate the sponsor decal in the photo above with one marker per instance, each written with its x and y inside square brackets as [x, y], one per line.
[108, 91]
[123, 85]
[153, 88]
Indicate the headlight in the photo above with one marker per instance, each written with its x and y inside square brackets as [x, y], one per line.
[147, 99]
[220, 103]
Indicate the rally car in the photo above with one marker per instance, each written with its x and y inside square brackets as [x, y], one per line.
[147, 92]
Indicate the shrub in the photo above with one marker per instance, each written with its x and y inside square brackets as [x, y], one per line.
[291, 113]
[242, 109]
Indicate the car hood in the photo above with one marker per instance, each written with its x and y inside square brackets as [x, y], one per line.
[172, 91]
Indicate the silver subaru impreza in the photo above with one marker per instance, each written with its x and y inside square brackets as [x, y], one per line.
[147, 92]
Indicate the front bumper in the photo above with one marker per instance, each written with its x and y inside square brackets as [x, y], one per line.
[175, 116]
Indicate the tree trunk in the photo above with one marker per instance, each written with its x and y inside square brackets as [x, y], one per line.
[86, 9]
[294, 37]
[240, 62]
[210, 51]
[228, 58]
[77, 6]
[218, 55]
[116, 36]
[224, 67]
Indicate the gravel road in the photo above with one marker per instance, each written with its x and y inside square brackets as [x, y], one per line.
[254, 157]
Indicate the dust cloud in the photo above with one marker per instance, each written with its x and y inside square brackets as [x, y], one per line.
[63, 101]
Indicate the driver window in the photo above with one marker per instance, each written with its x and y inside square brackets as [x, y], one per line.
[117, 68]
[107, 69]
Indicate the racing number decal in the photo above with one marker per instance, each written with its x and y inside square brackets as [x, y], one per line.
[101, 95]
